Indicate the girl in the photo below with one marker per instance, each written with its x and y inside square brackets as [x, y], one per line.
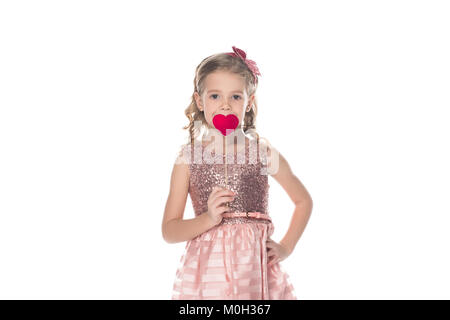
[229, 253]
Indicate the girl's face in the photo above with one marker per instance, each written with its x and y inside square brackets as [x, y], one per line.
[224, 94]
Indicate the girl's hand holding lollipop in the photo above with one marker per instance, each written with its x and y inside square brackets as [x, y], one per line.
[216, 198]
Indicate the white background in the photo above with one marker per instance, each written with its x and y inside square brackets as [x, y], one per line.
[354, 94]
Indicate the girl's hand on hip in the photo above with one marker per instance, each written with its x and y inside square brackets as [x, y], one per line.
[276, 252]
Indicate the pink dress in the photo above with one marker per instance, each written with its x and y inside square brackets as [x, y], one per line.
[229, 261]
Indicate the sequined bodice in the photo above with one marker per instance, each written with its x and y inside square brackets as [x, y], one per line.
[246, 173]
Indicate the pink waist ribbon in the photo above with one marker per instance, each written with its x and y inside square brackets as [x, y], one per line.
[248, 214]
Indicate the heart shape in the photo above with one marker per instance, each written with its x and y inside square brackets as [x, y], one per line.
[222, 123]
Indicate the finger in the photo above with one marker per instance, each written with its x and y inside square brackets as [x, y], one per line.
[218, 205]
[226, 192]
[215, 190]
[221, 193]
[273, 261]
[223, 209]
[212, 193]
[220, 201]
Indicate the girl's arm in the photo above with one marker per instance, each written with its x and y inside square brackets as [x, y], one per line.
[280, 170]
[174, 228]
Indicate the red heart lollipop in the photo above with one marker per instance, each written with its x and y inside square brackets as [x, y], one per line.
[222, 123]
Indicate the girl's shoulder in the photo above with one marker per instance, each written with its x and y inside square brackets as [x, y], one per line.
[269, 154]
[188, 151]
[183, 154]
[262, 143]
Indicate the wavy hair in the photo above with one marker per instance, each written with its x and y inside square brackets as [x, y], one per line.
[221, 62]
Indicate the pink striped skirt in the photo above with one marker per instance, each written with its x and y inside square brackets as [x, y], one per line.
[229, 262]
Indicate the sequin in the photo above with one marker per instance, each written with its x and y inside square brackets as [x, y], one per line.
[230, 260]
[246, 177]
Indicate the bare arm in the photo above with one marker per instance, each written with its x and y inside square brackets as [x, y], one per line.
[174, 228]
[280, 170]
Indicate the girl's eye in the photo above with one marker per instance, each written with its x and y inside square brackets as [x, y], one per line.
[236, 96]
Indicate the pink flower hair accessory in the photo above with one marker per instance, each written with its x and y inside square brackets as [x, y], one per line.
[250, 63]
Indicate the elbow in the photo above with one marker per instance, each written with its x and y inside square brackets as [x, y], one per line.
[166, 234]
[305, 203]
[167, 238]
[170, 240]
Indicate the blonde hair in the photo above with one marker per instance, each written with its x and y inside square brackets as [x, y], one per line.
[221, 62]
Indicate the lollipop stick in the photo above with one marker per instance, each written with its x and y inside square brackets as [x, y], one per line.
[226, 156]
[226, 176]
